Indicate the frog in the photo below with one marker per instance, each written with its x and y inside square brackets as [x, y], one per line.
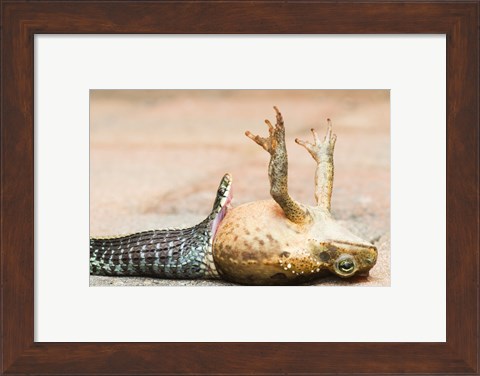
[280, 241]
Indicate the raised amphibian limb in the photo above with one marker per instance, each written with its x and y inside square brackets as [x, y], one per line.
[278, 170]
[322, 152]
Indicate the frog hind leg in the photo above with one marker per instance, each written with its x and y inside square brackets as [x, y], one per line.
[274, 144]
[322, 153]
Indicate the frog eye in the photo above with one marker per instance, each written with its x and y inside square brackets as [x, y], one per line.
[346, 266]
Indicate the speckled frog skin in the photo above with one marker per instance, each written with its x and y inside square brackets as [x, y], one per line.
[280, 241]
[272, 242]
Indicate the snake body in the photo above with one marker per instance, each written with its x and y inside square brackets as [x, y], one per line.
[177, 253]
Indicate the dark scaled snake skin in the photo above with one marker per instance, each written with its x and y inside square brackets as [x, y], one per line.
[177, 253]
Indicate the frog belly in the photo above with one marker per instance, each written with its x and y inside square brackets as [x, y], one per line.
[257, 245]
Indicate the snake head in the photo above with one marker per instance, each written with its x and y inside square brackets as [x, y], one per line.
[222, 200]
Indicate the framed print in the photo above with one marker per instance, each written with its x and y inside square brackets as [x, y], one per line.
[220, 128]
[83, 84]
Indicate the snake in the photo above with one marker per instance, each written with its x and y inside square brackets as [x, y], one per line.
[171, 253]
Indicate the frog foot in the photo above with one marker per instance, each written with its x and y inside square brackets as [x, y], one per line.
[276, 138]
[320, 148]
[322, 153]
[278, 170]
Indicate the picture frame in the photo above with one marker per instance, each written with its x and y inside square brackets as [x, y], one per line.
[22, 20]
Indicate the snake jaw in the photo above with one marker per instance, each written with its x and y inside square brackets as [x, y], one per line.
[222, 202]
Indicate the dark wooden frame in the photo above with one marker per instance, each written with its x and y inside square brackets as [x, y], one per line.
[459, 20]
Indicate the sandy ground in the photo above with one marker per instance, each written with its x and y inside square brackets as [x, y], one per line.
[156, 158]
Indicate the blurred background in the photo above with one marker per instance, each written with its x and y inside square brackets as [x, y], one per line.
[157, 156]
